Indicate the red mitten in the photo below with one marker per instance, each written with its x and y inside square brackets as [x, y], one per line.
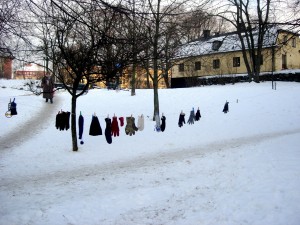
[115, 127]
[121, 121]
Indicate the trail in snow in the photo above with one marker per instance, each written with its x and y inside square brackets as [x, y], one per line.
[155, 160]
[30, 127]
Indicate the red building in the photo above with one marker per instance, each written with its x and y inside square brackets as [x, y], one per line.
[30, 71]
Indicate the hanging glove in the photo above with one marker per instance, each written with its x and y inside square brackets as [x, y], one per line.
[198, 115]
[115, 127]
[129, 130]
[141, 122]
[192, 117]
[181, 119]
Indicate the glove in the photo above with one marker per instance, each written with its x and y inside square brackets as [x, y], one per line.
[181, 119]
[115, 127]
[129, 128]
[192, 117]
[198, 115]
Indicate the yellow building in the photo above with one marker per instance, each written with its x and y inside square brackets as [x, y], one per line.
[221, 56]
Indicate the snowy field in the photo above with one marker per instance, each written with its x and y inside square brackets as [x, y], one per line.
[239, 168]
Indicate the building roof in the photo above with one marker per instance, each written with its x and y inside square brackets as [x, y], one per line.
[227, 42]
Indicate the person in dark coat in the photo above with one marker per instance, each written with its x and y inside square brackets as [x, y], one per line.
[226, 107]
[48, 86]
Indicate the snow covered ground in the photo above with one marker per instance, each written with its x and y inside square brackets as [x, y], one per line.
[227, 169]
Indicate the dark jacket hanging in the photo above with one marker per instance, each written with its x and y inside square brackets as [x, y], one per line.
[95, 128]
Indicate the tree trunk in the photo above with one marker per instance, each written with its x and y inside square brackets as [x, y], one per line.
[73, 123]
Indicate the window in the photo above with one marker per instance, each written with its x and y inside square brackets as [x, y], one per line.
[197, 65]
[216, 63]
[181, 67]
[284, 62]
[236, 62]
[294, 42]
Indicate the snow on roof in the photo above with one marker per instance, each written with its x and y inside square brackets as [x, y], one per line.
[228, 42]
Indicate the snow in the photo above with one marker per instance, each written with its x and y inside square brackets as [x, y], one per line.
[236, 168]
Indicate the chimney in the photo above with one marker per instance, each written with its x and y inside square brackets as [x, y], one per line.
[206, 34]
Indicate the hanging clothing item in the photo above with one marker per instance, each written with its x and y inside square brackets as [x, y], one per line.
[115, 127]
[13, 107]
[130, 127]
[121, 121]
[80, 125]
[62, 121]
[157, 123]
[192, 117]
[163, 123]
[95, 128]
[141, 122]
[108, 130]
[226, 107]
[198, 115]
[181, 119]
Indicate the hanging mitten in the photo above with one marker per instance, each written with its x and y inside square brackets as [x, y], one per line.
[13, 108]
[192, 117]
[181, 119]
[157, 123]
[133, 124]
[115, 127]
[80, 125]
[198, 115]
[128, 128]
[121, 121]
[95, 128]
[163, 123]
[141, 122]
[58, 120]
[226, 107]
[108, 130]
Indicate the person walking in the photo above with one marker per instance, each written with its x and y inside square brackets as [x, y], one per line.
[48, 85]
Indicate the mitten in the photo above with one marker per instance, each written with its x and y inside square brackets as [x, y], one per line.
[108, 130]
[192, 117]
[198, 115]
[163, 123]
[181, 119]
[121, 121]
[133, 125]
[95, 128]
[128, 128]
[141, 122]
[115, 127]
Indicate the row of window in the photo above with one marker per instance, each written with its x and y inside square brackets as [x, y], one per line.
[236, 62]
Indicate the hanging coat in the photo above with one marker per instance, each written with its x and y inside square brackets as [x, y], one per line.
[95, 128]
[108, 130]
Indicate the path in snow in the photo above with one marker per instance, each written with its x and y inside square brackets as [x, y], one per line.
[30, 128]
[135, 164]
